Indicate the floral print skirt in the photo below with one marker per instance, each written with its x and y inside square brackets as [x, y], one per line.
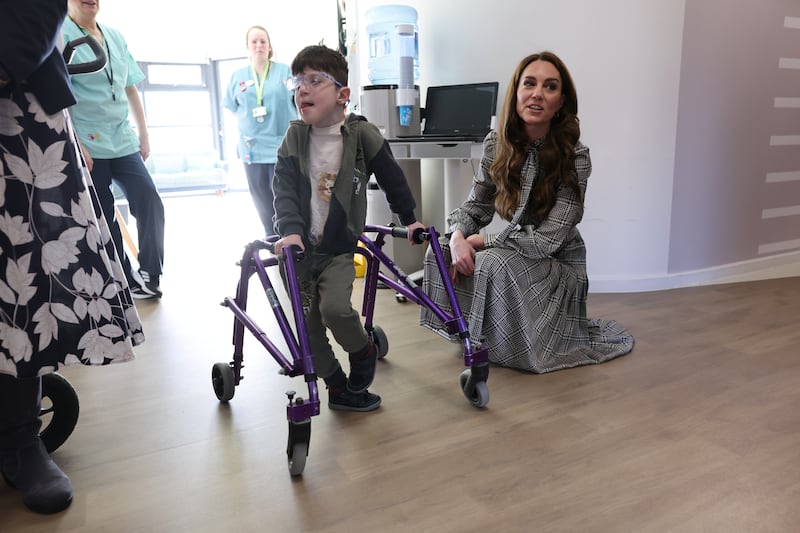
[63, 295]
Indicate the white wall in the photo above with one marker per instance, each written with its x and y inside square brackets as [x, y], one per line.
[624, 56]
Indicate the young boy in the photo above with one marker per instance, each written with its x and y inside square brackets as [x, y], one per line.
[320, 188]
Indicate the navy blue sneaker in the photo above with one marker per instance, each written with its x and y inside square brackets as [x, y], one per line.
[346, 400]
[145, 286]
[139, 293]
[362, 369]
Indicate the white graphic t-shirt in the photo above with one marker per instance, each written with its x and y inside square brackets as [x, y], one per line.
[325, 149]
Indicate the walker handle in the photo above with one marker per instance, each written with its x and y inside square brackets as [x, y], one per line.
[299, 254]
[95, 65]
[419, 236]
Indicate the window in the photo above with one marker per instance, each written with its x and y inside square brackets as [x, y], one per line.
[175, 74]
[178, 104]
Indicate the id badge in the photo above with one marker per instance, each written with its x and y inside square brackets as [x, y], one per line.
[259, 113]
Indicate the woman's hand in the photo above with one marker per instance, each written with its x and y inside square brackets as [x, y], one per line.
[144, 146]
[462, 255]
[290, 240]
[86, 157]
[476, 241]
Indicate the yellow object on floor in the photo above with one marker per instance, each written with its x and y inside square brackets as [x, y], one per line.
[360, 263]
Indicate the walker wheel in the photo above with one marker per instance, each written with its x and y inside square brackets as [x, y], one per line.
[59, 411]
[381, 341]
[297, 458]
[477, 392]
[222, 380]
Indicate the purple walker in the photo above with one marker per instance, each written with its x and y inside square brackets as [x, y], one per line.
[226, 376]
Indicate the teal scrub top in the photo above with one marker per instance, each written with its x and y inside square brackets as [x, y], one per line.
[259, 141]
[100, 120]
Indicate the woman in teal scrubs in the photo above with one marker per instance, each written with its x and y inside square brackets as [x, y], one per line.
[264, 107]
[111, 148]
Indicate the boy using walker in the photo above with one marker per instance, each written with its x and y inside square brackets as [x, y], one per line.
[320, 187]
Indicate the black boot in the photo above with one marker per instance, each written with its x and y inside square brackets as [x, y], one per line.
[362, 368]
[344, 400]
[340, 398]
[8, 416]
[25, 463]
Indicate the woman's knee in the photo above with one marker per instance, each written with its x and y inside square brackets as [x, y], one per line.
[493, 259]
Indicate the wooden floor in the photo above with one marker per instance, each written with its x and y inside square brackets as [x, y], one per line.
[698, 429]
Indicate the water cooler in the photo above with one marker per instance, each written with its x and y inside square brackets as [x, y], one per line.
[379, 105]
[392, 103]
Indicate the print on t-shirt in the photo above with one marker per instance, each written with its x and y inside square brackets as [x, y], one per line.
[325, 185]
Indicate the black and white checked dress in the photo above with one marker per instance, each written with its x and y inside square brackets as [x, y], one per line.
[527, 299]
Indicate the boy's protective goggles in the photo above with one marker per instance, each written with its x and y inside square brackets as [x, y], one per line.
[310, 81]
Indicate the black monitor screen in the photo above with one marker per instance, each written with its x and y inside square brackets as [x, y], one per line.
[460, 109]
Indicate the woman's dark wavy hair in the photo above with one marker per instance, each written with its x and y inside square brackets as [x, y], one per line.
[556, 157]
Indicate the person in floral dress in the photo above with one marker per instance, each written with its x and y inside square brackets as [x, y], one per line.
[63, 295]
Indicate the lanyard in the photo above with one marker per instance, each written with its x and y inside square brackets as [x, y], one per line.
[260, 82]
[109, 69]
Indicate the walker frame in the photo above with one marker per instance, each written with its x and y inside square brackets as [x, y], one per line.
[226, 377]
